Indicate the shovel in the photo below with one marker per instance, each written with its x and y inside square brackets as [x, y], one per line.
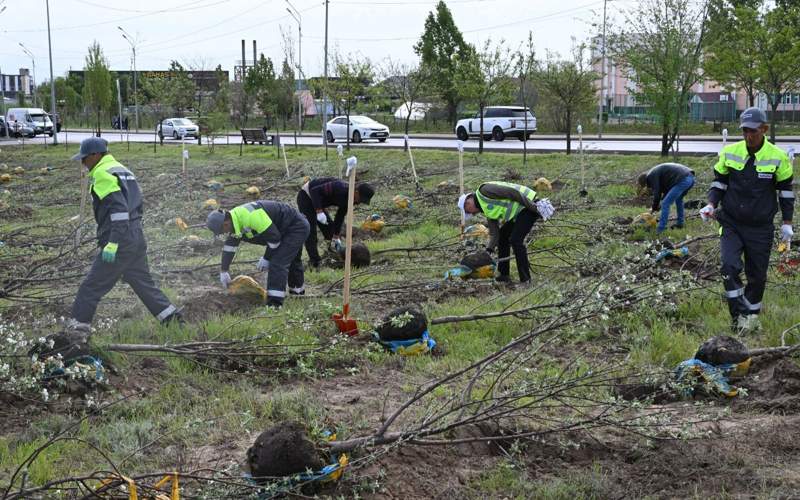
[347, 325]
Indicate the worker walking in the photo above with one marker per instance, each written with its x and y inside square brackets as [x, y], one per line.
[279, 227]
[514, 206]
[318, 194]
[752, 179]
[117, 204]
[668, 183]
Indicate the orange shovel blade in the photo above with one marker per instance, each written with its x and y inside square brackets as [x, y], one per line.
[347, 326]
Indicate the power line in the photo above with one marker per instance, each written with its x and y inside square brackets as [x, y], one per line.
[546, 17]
[121, 20]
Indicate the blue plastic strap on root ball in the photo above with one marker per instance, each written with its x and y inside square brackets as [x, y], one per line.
[716, 377]
[413, 347]
[458, 272]
[89, 361]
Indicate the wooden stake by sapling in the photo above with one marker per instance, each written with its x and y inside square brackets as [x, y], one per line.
[343, 321]
[340, 152]
[184, 161]
[285, 161]
[461, 180]
[411, 157]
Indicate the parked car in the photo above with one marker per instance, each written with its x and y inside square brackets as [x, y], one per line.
[177, 128]
[36, 119]
[499, 122]
[361, 128]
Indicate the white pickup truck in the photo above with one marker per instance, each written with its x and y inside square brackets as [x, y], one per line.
[499, 122]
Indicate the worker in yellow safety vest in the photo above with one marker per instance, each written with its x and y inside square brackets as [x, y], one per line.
[510, 211]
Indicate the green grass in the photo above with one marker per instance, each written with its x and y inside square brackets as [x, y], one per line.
[186, 405]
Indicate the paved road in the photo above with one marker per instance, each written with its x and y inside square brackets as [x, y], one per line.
[634, 145]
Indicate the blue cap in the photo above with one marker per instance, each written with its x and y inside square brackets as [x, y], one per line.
[752, 118]
[90, 146]
[215, 220]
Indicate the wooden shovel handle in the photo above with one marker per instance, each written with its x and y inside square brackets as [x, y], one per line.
[349, 241]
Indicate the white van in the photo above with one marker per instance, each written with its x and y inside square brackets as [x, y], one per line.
[35, 119]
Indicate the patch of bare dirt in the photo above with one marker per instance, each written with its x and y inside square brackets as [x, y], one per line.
[215, 303]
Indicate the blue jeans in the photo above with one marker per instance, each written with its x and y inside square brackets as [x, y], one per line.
[675, 195]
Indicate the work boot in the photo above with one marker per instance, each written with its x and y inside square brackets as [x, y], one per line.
[748, 324]
[503, 278]
[676, 226]
[77, 331]
[176, 317]
[297, 291]
[315, 264]
[274, 303]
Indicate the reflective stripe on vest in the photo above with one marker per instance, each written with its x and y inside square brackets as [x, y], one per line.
[503, 209]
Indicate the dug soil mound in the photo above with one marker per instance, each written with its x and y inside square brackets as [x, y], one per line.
[282, 451]
[773, 387]
[215, 303]
[414, 324]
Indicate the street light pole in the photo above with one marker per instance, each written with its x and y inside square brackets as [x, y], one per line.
[33, 63]
[602, 76]
[52, 80]
[325, 89]
[299, 20]
[127, 36]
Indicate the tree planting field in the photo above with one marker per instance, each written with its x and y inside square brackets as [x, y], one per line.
[520, 399]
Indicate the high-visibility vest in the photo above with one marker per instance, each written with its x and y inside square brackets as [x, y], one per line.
[249, 220]
[503, 209]
[770, 159]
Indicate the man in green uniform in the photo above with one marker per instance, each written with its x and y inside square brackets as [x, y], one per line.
[117, 204]
[517, 208]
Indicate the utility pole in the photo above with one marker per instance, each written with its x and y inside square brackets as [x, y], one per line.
[132, 41]
[325, 90]
[3, 80]
[52, 80]
[33, 63]
[602, 76]
[299, 20]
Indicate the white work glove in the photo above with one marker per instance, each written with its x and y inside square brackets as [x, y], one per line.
[225, 279]
[786, 232]
[707, 212]
[337, 245]
[322, 218]
[545, 208]
[263, 264]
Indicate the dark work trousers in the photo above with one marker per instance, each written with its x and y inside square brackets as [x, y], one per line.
[512, 235]
[285, 263]
[307, 209]
[131, 266]
[755, 242]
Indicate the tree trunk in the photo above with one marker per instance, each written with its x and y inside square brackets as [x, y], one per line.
[772, 122]
[751, 96]
[452, 111]
[569, 132]
[347, 114]
[665, 143]
[480, 141]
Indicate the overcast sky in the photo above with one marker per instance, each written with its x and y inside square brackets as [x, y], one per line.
[209, 32]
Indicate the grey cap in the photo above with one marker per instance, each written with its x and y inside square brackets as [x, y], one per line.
[752, 118]
[215, 220]
[90, 146]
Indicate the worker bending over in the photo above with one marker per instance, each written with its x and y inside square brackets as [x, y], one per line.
[277, 226]
[318, 194]
[516, 208]
[668, 183]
